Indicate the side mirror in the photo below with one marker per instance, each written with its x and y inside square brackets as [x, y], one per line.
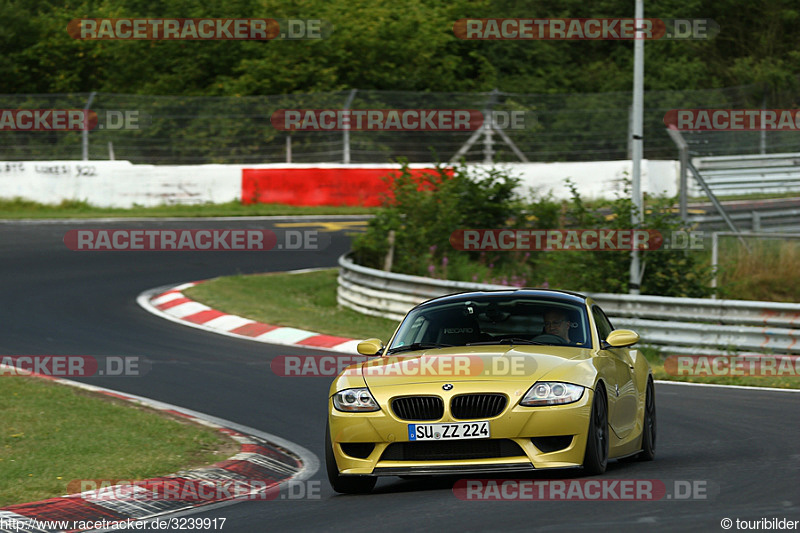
[370, 347]
[619, 338]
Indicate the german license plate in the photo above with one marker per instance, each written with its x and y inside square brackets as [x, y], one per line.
[454, 431]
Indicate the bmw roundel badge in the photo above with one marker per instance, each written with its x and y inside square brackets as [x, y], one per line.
[447, 386]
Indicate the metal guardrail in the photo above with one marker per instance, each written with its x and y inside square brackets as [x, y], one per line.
[679, 325]
[745, 174]
[757, 220]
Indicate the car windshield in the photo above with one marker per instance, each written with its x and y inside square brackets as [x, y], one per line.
[495, 320]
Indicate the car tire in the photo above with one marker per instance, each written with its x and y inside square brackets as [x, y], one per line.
[648, 452]
[595, 459]
[344, 484]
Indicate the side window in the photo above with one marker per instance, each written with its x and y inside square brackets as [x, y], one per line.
[604, 326]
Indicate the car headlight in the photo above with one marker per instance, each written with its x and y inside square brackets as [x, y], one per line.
[551, 393]
[355, 400]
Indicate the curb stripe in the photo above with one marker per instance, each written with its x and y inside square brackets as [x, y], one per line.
[258, 460]
[177, 307]
[325, 341]
[204, 316]
[228, 322]
[186, 309]
[167, 297]
[254, 329]
[173, 302]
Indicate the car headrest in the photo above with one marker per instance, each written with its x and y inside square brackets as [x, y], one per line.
[459, 331]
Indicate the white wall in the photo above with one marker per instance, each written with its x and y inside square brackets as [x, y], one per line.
[122, 184]
[119, 183]
[597, 179]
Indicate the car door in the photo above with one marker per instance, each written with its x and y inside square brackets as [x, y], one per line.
[622, 394]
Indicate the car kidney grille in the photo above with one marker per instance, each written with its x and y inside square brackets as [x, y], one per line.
[418, 408]
[469, 406]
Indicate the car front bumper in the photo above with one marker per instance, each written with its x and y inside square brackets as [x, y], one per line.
[517, 430]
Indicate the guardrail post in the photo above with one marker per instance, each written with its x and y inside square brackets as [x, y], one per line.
[756, 221]
[387, 264]
[714, 262]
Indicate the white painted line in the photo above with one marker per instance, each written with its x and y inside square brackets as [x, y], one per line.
[740, 387]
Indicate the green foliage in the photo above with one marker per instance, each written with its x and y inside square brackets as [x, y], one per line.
[666, 272]
[424, 210]
[424, 213]
[403, 45]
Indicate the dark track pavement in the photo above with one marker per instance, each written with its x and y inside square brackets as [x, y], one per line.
[742, 444]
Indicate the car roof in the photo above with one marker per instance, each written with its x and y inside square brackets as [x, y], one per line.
[547, 294]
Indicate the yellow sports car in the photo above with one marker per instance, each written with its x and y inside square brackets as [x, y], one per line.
[498, 381]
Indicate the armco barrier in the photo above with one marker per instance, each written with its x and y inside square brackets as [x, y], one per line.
[678, 325]
[747, 174]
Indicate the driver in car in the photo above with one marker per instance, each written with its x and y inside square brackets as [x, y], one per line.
[556, 322]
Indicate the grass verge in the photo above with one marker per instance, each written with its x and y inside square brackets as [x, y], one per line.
[308, 301]
[51, 434]
[305, 301]
[767, 271]
[19, 208]
[656, 358]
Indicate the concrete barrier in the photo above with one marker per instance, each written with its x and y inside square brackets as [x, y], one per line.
[122, 184]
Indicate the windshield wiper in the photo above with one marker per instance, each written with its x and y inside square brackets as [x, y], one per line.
[418, 346]
[506, 340]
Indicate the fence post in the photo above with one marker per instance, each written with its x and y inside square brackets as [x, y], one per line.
[683, 154]
[346, 133]
[85, 133]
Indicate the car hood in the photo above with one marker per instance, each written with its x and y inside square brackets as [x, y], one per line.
[526, 363]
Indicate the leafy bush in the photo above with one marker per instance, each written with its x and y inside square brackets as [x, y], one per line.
[424, 211]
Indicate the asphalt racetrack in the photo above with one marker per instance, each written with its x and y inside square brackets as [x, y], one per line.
[741, 448]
